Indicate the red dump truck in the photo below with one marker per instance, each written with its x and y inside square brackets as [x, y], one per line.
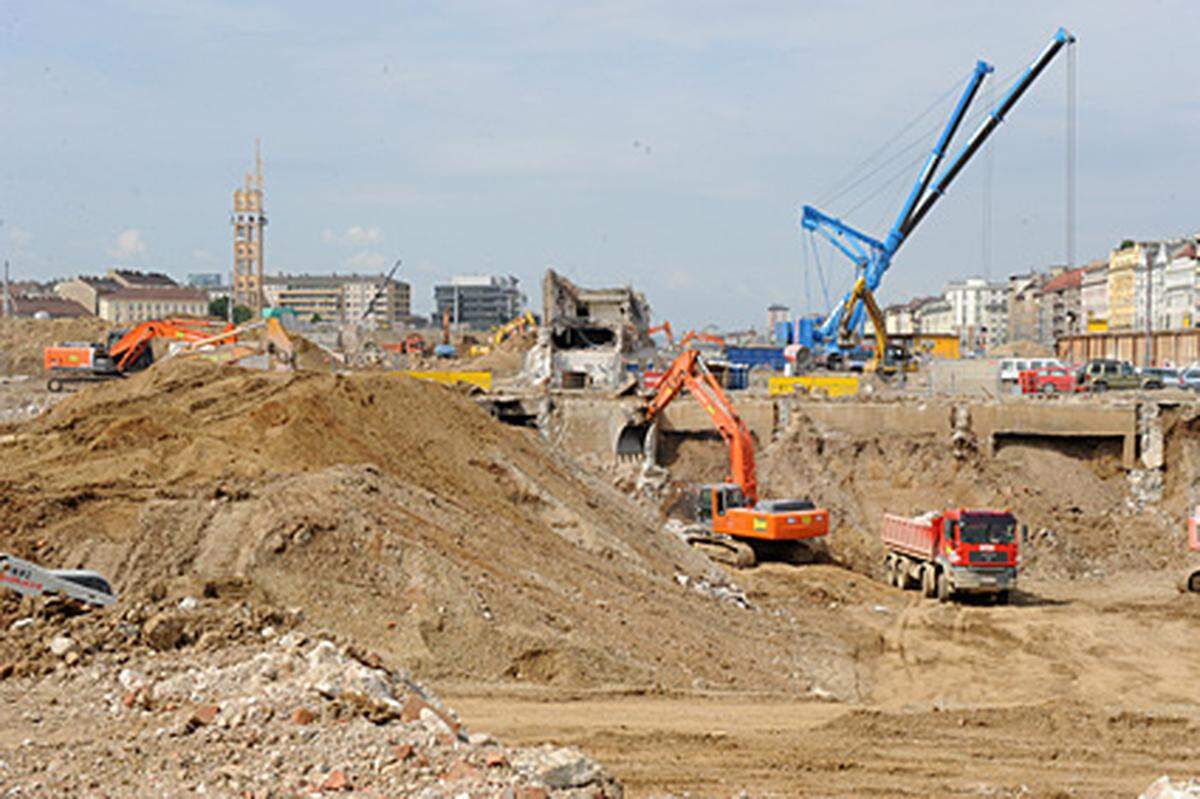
[1191, 578]
[958, 551]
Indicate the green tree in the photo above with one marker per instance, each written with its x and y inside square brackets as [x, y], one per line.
[219, 308]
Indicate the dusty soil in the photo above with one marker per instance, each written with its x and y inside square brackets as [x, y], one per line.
[1079, 689]
[22, 340]
[396, 511]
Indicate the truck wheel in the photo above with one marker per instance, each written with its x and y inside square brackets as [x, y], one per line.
[1099, 388]
[928, 582]
[1048, 389]
[943, 587]
[905, 575]
[1193, 583]
[54, 385]
[1002, 597]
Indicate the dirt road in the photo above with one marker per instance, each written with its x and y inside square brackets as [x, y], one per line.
[1083, 689]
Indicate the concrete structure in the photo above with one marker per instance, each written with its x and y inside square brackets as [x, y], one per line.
[978, 308]
[1022, 300]
[1180, 297]
[86, 290]
[479, 301]
[139, 305]
[1060, 306]
[249, 220]
[1093, 297]
[587, 427]
[588, 335]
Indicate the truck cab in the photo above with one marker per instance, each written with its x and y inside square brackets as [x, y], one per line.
[979, 550]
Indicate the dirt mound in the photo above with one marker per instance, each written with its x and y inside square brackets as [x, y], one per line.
[1075, 497]
[394, 510]
[22, 340]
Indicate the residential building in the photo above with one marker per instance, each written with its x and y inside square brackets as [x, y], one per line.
[973, 303]
[777, 314]
[1123, 265]
[124, 295]
[1060, 306]
[86, 290]
[1093, 297]
[480, 301]
[1180, 295]
[342, 298]
[935, 315]
[1022, 301]
[139, 305]
[41, 307]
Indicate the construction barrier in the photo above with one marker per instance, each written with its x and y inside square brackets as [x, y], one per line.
[828, 385]
[451, 377]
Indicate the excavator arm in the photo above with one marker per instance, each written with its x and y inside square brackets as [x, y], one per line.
[688, 371]
[130, 346]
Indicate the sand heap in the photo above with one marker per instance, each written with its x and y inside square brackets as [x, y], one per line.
[394, 512]
[22, 340]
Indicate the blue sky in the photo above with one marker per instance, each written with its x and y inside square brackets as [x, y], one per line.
[664, 144]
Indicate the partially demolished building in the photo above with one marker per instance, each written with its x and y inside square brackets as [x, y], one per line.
[589, 335]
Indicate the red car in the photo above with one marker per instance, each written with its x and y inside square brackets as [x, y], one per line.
[1047, 380]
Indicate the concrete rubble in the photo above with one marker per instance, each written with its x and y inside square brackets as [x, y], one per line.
[1166, 788]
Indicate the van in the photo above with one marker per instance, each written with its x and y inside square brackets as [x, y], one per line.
[1011, 368]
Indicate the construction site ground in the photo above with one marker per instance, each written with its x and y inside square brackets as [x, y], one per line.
[543, 601]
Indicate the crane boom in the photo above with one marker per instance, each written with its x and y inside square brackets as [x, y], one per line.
[870, 257]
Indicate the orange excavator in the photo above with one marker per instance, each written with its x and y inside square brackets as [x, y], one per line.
[707, 338]
[126, 350]
[665, 327]
[736, 525]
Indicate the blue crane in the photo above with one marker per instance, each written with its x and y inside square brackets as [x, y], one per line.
[871, 257]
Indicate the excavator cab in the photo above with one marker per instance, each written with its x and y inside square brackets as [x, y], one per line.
[716, 499]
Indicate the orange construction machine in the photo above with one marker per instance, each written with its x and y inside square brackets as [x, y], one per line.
[125, 351]
[735, 522]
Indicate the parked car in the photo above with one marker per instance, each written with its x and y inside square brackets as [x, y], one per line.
[1189, 377]
[1167, 376]
[1011, 368]
[1048, 380]
[1104, 375]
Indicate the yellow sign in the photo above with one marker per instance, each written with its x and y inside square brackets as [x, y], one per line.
[1097, 325]
[449, 377]
[760, 524]
[829, 385]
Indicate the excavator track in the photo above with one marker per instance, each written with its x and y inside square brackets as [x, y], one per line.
[722, 549]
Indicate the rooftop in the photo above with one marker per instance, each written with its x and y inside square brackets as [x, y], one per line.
[1071, 279]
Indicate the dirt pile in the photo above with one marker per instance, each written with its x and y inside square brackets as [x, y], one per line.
[22, 340]
[1075, 497]
[245, 709]
[394, 511]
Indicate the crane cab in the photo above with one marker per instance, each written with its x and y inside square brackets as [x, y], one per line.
[725, 508]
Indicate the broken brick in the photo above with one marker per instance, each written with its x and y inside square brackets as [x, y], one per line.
[402, 751]
[336, 781]
[205, 715]
[495, 760]
[302, 715]
[461, 770]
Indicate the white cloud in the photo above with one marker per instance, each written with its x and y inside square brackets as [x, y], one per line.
[128, 245]
[366, 261]
[353, 236]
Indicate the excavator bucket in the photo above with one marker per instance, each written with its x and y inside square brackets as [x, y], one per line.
[631, 442]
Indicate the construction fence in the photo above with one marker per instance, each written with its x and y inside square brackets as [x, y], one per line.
[1177, 347]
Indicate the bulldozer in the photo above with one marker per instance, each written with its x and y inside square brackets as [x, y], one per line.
[733, 524]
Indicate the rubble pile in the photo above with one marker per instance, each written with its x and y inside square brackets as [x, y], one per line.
[284, 716]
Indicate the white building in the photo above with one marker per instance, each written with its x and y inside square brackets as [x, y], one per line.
[979, 312]
[1180, 296]
[1093, 297]
[935, 315]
